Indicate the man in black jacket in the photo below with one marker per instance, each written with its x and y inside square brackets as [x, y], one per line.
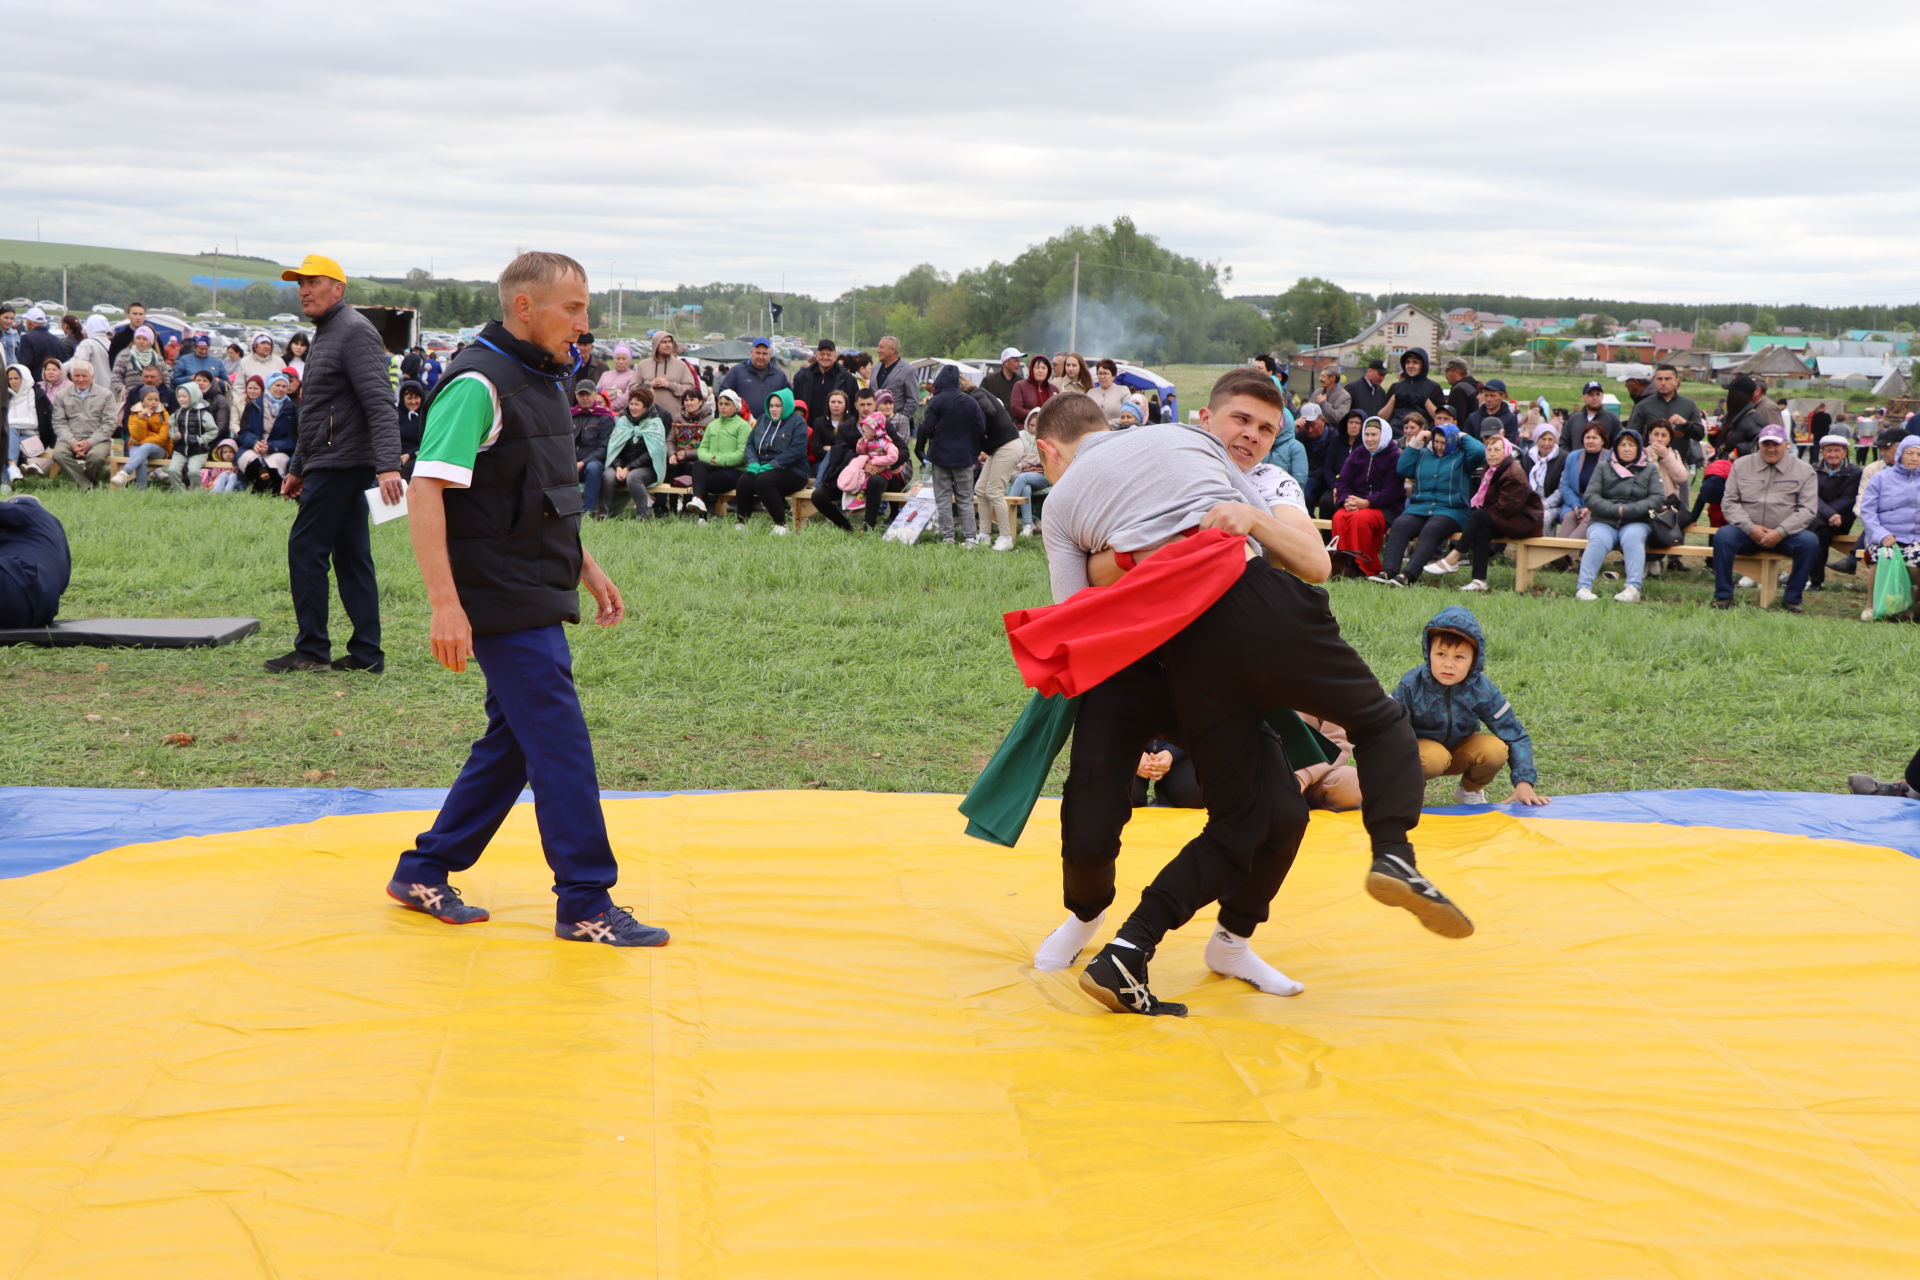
[822, 377]
[1368, 393]
[349, 440]
[1667, 405]
[1839, 482]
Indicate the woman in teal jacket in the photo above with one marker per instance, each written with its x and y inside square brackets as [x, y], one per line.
[1440, 463]
[776, 461]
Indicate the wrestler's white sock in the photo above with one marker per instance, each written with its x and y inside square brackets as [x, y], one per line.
[1229, 955]
[1064, 945]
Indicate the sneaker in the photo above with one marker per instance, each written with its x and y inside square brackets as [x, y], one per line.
[1463, 796]
[1865, 784]
[295, 661]
[1866, 615]
[1117, 978]
[1478, 584]
[1396, 882]
[441, 901]
[1397, 580]
[351, 663]
[1745, 581]
[1026, 531]
[616, 927]
[781, 531]
[1003, 543]
[13, 473]
[1440, 568]
[1628, 595]
[739, 526]
[1585, 593]
[701, 520]
[1380, 578]
[697, 504]
[121, 479]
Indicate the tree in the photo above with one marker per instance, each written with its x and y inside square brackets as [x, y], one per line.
[418, 276]
[1571, 355]
[1315, 310]
[1766, 322]
[1368, 354]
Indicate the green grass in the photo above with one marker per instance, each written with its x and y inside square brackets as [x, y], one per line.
[825, 660]
[180, 268]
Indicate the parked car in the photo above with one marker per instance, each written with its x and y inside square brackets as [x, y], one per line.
[283, 318]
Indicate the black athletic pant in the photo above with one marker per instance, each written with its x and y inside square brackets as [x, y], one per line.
[1115, 720]
[827, 500]
[1479, 540]
[1270, 642]
[767, 489]
[332, 526]
[1432, 531]
[709, 480]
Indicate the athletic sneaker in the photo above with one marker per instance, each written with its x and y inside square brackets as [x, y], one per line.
[1628, 595]
[1117, 978]
[1745, 581]
[616, 927]
[441, 901]
[698, 504]
[1380, 578]
[1865, 784]
[1478, 584]
[1396, 882]
[120, 479]
[780, 531]
[1003, 543]
[1585, 593]
[1463, 796]
[1026, 531]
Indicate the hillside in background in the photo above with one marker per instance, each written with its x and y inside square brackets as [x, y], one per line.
[175, 268]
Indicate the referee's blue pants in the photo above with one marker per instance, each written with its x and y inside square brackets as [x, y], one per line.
[536, 736]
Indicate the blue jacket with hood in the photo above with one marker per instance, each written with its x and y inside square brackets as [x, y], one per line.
[954, 429]
[1442, 485]
[1450, 714]
[1289, 453]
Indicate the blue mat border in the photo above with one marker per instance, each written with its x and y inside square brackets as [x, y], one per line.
[46, 827]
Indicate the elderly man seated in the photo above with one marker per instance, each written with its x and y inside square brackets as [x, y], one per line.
[1770, 503]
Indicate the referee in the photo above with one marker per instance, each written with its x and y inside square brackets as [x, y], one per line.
[495, 506]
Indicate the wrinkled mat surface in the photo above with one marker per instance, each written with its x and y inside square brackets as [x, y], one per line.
[1669, 1052]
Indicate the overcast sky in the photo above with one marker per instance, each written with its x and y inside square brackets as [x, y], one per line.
[1757, 151]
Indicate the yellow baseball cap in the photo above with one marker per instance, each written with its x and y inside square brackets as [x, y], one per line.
[315, 265]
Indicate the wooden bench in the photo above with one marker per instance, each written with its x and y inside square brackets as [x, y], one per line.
[1764, 568]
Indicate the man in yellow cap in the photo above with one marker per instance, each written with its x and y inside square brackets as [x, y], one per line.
[348, 439]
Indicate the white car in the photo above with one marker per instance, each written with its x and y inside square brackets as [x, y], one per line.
[209, 315]
[283, 318]
[50, 306]
[107, 309]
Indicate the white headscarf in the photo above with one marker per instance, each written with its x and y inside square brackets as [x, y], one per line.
[22, 412]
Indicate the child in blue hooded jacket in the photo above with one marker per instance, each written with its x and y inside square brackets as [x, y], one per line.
[1449, 699]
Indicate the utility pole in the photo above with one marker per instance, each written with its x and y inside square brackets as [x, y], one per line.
[63, 286]
[215, 304]
[1073, 327]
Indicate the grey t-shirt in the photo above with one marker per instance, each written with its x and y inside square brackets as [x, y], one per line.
[1133, 491]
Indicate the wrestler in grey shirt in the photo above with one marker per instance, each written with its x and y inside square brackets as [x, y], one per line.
[1133, 491]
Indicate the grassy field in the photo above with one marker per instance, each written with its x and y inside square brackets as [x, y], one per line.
[180, 268]
[828, 660]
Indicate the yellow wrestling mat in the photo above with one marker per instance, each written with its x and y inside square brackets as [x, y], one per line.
[1667, 1053]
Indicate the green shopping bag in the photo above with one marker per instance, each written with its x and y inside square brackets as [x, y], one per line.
[1892, 588]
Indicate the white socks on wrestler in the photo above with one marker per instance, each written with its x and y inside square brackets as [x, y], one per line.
[1229, 956]
[1064, 945]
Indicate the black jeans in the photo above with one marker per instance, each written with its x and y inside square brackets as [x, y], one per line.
[332, 526]
[709, 480]
[767, 489]
[1826, 533]
[1480, 538]
[1224, 681]
[1117, 718]
[1431, 532]
[827, 500]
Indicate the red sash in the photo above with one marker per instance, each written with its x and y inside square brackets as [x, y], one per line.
[1070, 647]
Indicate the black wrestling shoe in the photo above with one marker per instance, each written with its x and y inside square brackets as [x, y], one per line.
[1117, 978]
[1865, 784]
[351, 663]
[1398, 883]
[615, 927]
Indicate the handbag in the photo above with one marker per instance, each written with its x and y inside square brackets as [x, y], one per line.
[1892, 588]
[1668, 523]
[1346, 564]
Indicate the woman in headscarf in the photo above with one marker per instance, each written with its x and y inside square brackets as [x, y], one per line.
[260, 361]
[616, 382]
[135, 359]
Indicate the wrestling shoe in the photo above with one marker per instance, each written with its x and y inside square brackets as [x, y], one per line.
[1865, 784]
[1396, 882]
[1117, 978]
[616, 927]
[295, 661]
[441, 901]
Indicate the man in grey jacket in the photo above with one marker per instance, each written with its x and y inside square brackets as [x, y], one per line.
[83, 424]
[348, 439]
[1771, 500]
[893, 374]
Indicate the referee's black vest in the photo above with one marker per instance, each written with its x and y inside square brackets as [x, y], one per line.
[513, 535]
